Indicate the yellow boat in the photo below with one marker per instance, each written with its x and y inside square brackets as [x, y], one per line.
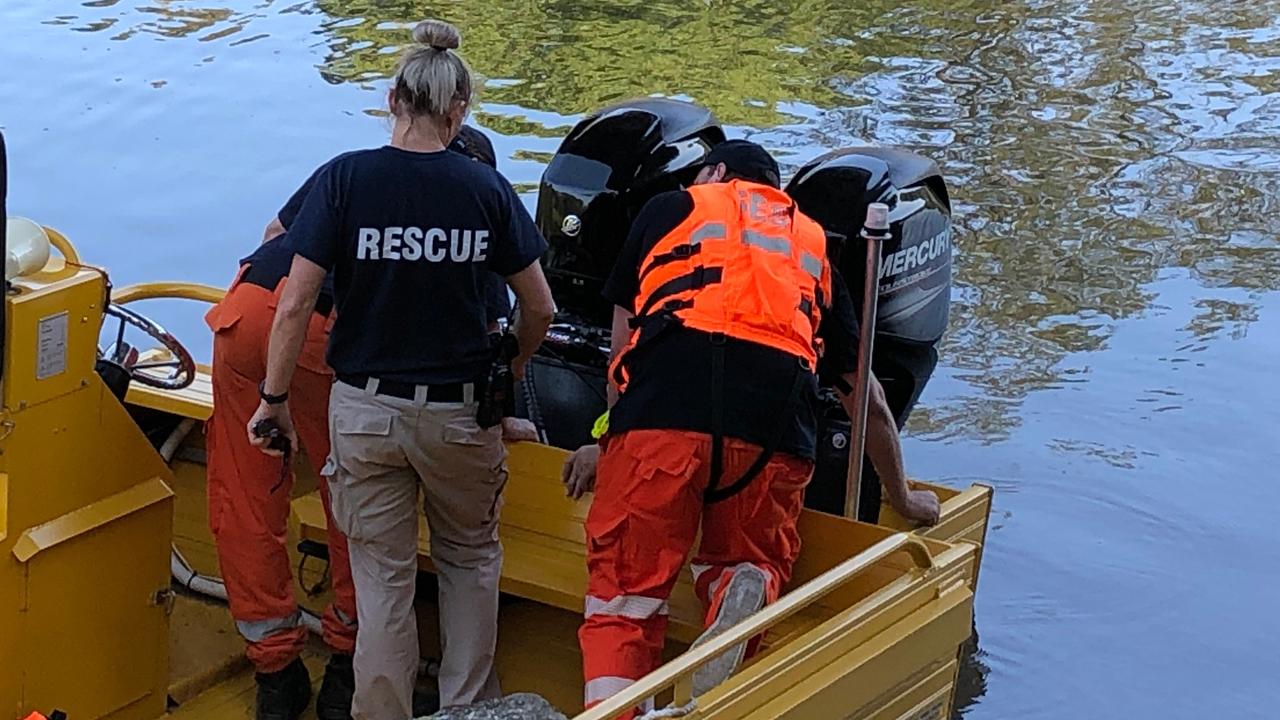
[104, 543]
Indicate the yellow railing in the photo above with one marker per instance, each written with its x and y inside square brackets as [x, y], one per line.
[678, 673]
[168, 290]
[60, 243]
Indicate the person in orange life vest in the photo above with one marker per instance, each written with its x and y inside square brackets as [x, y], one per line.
[719, 290]
[248, 503]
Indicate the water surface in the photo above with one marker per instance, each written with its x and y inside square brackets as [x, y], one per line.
[1116, 318]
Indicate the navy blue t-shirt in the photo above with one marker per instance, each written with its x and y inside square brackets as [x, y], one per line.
[410, 238]
[497, 301]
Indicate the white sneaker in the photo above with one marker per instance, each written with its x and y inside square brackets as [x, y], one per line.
[744, 596]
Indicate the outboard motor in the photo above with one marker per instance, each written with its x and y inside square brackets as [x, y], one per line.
[608, 167]
[914, 288]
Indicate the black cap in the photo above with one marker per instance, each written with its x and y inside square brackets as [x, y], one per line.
[746, 159]
[475, 145]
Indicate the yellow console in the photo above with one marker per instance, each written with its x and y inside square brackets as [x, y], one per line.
[86, 513]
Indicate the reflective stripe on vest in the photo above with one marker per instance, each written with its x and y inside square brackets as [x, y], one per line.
[745, 263]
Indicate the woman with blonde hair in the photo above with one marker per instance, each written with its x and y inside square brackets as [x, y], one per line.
[410, 232]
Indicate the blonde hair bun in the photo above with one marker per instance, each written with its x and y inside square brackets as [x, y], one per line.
[437, 34]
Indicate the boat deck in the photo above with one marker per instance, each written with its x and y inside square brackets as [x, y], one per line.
[543, 580]
[210, 679]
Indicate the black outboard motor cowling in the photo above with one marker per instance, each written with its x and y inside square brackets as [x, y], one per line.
[914, 287]
[609, 165]
[607, 168]
[915, 275]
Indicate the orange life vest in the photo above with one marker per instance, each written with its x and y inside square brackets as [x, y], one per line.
[746, 263]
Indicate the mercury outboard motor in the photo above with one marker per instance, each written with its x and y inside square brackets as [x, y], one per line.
[914, 288]
[608, 167]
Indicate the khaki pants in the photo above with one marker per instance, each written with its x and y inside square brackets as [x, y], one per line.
[382, 449]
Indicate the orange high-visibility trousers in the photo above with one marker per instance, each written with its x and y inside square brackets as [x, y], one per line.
[248, 505]
[643, 520]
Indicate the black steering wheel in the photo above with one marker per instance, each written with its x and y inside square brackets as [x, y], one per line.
[179, 364]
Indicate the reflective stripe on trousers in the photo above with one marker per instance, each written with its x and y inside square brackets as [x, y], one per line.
[597, 690]
[628, 606]
[256, 631]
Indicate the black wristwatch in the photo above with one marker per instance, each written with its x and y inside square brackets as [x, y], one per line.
[271, 399]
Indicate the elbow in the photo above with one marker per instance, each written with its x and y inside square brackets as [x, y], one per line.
[293, 307]
[542, 313]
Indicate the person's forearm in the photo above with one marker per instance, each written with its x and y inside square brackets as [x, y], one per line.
[289, 328]
[535, 309]
[288, 332]
[531, 328]
[619, 336]
[882, 444]
[885, 451]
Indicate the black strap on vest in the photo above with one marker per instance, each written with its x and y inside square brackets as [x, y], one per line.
[699, 277]
[717, 415]
[679, 252]
[651, 327]
[715, 493]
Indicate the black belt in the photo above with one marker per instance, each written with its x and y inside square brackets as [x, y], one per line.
[262, 276]
[446, 392]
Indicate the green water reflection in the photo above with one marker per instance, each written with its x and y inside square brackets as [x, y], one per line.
[1089, 145]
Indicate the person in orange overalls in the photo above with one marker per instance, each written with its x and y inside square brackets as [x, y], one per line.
[724, 298]
[249, 491]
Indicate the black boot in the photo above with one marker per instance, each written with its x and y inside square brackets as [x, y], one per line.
[283, 695]
[333, 702]
[425, 703]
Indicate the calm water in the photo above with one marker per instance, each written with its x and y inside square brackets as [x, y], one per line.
[1116, 327]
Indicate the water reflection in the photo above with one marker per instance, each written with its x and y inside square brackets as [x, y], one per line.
[971, 679]
[1089, 147]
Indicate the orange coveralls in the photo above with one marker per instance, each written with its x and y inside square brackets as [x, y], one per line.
[744, 263]
[248, 506]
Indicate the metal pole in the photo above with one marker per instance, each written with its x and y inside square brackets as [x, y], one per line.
[874, 232]
[4, 246]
